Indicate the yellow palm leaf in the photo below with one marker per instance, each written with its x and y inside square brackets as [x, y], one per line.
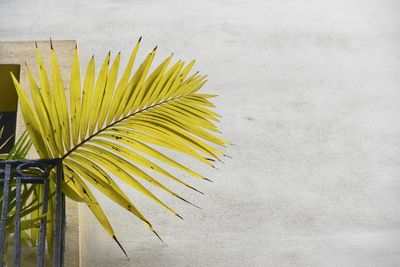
[110, 127]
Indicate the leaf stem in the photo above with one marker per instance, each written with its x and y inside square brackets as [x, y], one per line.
[115, 122]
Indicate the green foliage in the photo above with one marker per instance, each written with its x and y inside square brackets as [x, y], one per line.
[30, 198]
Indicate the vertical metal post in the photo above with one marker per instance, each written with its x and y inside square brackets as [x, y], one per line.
[59, 224]
[20, 170]
[17, 219]
[43, 221]
[63, 215]
[4, 210]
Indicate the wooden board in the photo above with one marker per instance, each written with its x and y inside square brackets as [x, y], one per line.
[24, 52]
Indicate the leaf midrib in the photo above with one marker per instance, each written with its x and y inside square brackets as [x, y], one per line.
[114, 123]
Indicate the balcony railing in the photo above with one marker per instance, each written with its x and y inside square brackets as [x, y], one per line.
[15, 173]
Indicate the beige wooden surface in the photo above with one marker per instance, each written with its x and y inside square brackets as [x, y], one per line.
[25, 52]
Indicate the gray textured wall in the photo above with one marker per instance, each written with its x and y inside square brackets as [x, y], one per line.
[309, 96]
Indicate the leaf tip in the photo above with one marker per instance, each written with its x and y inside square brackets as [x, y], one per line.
[158, 236]
[181, 198]
[198, 191]
[120, 246]
[179, 216]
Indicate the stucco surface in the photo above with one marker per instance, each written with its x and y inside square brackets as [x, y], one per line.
[310, 97]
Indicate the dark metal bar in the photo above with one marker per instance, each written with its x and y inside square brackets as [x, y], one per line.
[57, 260]
[4, 210]
[21, 171]
[17, 231]
[63, 216]
[43, 221]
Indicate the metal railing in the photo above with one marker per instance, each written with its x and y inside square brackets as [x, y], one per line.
[18, 170]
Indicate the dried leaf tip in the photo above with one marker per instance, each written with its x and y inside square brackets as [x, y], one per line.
[120, 246]
[179, 216]
[211, 181]
[51, 44]
[192, 204]
[198, 191]
[140, 39]
[158, 236]
[188, 202]
[155, 48]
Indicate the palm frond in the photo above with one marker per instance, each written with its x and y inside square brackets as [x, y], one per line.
[30, 201]
[110, 127]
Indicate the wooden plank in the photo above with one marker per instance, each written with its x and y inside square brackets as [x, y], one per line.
[22, 52]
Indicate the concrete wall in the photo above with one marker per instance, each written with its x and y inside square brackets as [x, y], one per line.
[310, 98]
